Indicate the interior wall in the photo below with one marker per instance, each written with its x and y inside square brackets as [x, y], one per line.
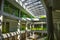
[56, 21]
[56, 16]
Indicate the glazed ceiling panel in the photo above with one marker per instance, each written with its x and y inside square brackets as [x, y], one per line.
[34, 6]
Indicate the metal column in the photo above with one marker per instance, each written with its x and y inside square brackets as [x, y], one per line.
[48, 5]
[50, 24]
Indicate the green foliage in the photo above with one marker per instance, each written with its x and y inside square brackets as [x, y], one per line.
[43, 16]
[9, 8]
[22, 28]
[39, 28]
[4, 28]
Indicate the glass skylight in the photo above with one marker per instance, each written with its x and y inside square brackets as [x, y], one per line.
[33, 4]
[37, 8]
[26, 4]
[34, 7]
[41, 6]
[29, 3]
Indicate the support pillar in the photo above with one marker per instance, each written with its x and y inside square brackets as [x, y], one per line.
[33, 32]
[1, 20]
[41, 25]
[50, 24]
[30, 26]
[26, 29]
[30, 30]
[33, 25]
[49, 17]
[42, 30]
[1, 17]
[27, 26]
[18, 30]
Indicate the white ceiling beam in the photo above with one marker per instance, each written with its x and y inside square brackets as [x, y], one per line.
[40, 7]
[34, 4]
[36, 8]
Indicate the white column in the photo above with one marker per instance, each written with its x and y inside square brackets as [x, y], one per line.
[30, 26]
[30, 29]
[26, 29]
[26, 26]
[33, 32]
[18, 30]
[41, 25]
[42, 31]
[1, 20]
[33, 25]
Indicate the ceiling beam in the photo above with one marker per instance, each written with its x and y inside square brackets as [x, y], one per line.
[35, 4]
[37, 8]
